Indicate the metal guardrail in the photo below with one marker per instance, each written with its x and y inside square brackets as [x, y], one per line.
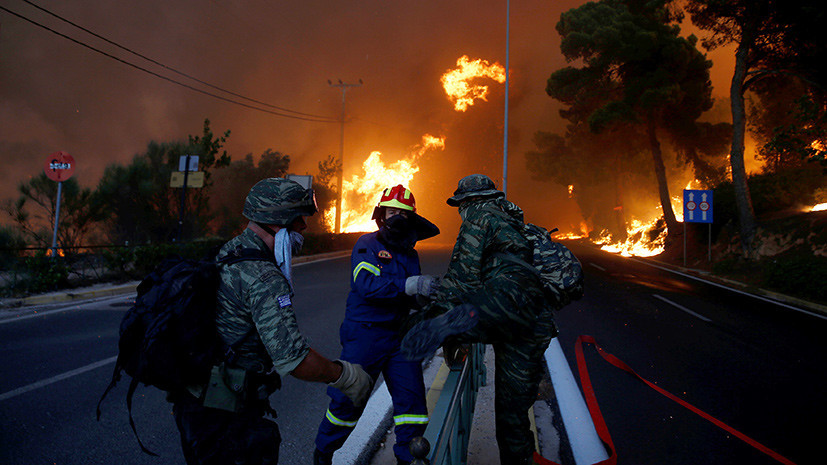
[450, 424]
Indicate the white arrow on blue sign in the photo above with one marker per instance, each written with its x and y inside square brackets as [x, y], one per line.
[697, 206]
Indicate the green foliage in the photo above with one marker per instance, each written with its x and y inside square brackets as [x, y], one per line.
[140, 205]
[797, 273]
[44, 273]
[34, 210]
[326, 187]
[10, 240]
[137, 262]
[119, 260]
[232, 183]
[639, 80]
[772, 192]
[802, 140]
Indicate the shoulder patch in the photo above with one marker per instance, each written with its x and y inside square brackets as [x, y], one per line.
[284, 301]
[385, 254]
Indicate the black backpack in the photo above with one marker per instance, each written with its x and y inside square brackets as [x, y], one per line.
[168, 338]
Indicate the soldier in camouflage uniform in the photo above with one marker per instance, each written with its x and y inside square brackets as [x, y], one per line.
[486, 299]
[224, 422]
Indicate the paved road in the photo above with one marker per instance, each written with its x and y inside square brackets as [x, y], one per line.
[56, 362]
[756, 365]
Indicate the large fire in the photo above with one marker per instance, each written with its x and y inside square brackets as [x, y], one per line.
[362, 192]
[642, 237]
[638, 243]
[457, 82]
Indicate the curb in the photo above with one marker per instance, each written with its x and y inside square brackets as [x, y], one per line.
[706, 276]
[103, 290]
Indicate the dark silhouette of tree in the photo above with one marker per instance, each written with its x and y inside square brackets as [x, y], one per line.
[636, 70]
[772, 37]
[233, 182]
[142, 207]
[34, 211]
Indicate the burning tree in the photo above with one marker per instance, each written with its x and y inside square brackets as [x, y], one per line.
[638, 75]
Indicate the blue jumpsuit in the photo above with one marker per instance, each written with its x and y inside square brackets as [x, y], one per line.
[370, 337]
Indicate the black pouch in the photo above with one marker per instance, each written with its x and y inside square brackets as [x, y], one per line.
[226, 388]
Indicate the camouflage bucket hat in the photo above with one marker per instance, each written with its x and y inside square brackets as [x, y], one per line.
[474, 185]
[278, 201]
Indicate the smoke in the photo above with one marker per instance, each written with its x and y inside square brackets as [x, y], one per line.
[58, 95]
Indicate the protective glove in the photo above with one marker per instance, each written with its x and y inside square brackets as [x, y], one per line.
[424, 285]
[354, 382]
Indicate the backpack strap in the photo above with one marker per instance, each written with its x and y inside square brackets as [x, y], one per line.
[514, 259]
[247, 253]
[239, 255]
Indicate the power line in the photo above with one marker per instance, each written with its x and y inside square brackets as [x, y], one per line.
[305, 117]
[169, 67]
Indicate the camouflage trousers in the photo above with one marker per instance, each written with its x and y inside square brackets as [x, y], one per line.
[516, 319]
[216, 437]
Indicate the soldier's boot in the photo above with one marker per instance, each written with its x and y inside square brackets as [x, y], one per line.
[427, 335]
[322, 458]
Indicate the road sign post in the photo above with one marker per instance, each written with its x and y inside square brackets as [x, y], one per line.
[697, 208]
[186, 164]
[58, 167]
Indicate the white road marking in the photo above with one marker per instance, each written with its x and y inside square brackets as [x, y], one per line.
[597, 266]
[54, 379]
[681, 307]
[782, 304]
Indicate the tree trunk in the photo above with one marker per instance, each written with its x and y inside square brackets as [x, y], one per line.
[743, 202]
[660, 172]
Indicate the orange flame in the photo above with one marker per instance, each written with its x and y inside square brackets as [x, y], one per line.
[637, 243]
[457, 85]
[362, 192]
[51, 252]
[819, 208]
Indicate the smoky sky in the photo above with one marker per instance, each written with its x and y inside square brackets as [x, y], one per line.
[57, 95]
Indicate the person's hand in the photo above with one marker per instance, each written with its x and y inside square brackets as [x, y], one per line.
[424, 285]
[354, 382]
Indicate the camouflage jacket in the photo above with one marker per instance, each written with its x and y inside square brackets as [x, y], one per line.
[255, 294]
[482, 233]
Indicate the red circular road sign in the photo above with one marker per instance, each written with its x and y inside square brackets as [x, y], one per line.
[59, 166]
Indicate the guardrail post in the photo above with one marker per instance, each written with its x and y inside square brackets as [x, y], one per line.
[420, 447]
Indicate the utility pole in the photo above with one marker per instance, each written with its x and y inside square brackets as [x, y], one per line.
[344, 86]
[505, 124]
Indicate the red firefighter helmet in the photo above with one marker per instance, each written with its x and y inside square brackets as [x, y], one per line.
[398, 197]
[394, 197]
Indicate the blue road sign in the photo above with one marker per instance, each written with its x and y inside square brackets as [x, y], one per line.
[697, 206]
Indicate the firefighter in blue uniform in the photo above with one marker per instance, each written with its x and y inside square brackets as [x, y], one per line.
[386, 282]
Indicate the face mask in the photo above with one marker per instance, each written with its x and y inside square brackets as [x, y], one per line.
[398, 231]
[296, 241]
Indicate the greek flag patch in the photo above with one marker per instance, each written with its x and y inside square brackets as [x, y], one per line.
[284, 301]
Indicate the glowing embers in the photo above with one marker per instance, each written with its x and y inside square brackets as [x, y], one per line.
[457, 82]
